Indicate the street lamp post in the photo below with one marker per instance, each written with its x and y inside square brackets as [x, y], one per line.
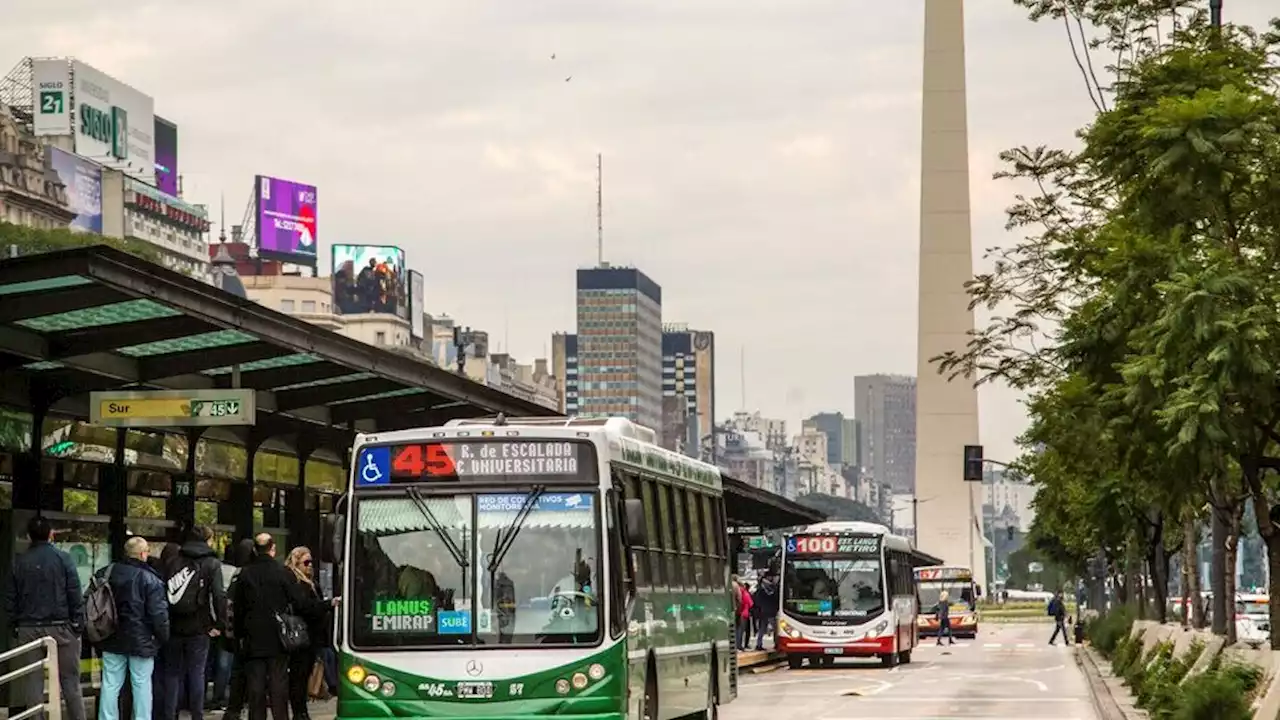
[1215, 13]
[915, 518]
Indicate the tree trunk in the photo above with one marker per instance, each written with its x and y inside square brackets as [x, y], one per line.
[1192, 608]
[1271, 537]
[1158, 568]
[1230, 550]
[1218, 522]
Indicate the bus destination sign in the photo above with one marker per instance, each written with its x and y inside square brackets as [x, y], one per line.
[825, 544]
[944, 573]
[488, 458]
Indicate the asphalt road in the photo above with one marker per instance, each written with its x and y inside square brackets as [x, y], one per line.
[1009, 672]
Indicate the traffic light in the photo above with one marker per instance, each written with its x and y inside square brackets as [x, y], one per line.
[973, 463]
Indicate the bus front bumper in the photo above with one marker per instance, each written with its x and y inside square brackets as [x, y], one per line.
[485, 710]
[869, 647]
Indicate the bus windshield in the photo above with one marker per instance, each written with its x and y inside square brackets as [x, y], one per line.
[833, 590]
[959, 592]
[431, 570]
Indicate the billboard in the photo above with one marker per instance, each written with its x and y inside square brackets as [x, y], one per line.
[417, 304]
[115, 124]
[166, 156]
[285, 218]
[369, 279]
[51, 97]
[83, 179]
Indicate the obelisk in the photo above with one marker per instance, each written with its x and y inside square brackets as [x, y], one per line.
[949, 509]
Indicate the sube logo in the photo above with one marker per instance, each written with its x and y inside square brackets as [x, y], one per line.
[109, 128]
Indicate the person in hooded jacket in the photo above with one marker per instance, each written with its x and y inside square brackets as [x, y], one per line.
[197, 614]
[142, 628]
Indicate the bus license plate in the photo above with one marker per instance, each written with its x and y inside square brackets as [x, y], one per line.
[834, 651]
[480, 690]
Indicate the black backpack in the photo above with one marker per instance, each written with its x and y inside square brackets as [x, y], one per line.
[187, 587]
[100, 608]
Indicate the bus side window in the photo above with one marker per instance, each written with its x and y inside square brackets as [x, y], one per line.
[666, 515]
[652, 554]
[722, 537]
[697, 540]
[680, 519]
[618, 567]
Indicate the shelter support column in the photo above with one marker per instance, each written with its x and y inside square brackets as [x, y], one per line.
[303, 523]
[238, 510]
[181, 507]
[113, 497]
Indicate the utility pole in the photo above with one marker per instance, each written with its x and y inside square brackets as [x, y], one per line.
[600, 209]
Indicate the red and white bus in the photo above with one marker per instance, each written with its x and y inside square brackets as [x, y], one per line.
[848, 590]
[962, 599]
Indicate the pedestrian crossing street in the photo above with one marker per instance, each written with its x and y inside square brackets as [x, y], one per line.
[971, 645]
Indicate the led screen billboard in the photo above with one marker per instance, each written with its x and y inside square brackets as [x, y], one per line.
[166, 156]
[369, 279]
[83, 179]
[286, 220]
[417, 304]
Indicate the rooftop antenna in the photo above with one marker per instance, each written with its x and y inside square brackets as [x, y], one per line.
[600, 209]
[222, 223]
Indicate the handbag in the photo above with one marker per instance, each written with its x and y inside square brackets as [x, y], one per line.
[293, 631]
[316, 688]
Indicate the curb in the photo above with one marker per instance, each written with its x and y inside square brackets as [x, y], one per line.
[1103, 702]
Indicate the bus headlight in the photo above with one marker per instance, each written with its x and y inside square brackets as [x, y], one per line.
[596, 671]
[579, 681]
[388, 689]
[879, 628]
[355, 674]
[372, 683]
[786, 628]
[562, 686]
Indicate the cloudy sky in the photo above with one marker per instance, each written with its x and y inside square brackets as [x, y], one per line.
[761, 156]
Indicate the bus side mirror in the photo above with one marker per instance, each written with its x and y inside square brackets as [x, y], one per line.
[634, 511]
[333, 537]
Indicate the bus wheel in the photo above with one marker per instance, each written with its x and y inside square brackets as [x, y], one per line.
[904, 657]
[795, 661]
[889, 660]
[649, 708]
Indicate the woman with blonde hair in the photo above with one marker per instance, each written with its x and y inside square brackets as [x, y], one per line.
[944, 618]
[302, 662]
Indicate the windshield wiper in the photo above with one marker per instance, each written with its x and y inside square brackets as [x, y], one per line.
[505, 540]
[459, 555]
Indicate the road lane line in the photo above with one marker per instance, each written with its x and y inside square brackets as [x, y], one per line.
[993, 645]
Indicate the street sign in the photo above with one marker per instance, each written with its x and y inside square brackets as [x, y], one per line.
[172, 408]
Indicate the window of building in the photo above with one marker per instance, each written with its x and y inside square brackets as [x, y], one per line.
[286, 306]
[380, 338]
[308, 306]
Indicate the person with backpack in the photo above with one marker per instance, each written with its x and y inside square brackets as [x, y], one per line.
[197, 614]
[765, 603]
[128, 621]
[43, 599]
[1058, 611]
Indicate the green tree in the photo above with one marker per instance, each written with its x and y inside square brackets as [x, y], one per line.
[29, 241]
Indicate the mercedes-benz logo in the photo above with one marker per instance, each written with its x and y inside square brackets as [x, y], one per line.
[474, 668]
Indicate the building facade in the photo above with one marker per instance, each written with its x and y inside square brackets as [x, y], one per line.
[620, 345]
[564, 365]
[842, 438]
[31, 193]
[885, 407]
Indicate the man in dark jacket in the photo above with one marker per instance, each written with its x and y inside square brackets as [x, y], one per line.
[197, 613]
[142, 628]
[766, 606]
[263, 591]
[44, 600]
[1058, 610]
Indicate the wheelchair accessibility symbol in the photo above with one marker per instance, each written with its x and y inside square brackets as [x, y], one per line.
[374, 466]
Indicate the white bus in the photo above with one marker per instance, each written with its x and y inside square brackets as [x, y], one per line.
[848, 590]
[526, 567]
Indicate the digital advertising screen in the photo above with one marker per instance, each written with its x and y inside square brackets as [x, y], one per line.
[83, 179]
[286, 220]
[417, 304]
[370, 279]
[166, 156]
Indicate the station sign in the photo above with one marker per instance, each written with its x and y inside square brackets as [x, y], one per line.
[172, 408]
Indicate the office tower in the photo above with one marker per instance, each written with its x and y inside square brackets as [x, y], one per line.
[885, 406]
[842, 440]
[688, 389]
[620, 345]
[564, 365]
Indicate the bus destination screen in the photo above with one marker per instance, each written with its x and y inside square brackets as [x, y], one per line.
[829, 544]
[533, 460]
[944, 573]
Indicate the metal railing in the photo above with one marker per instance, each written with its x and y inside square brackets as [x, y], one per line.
[51, 708]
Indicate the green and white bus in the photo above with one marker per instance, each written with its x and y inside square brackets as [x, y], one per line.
[528, 567]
